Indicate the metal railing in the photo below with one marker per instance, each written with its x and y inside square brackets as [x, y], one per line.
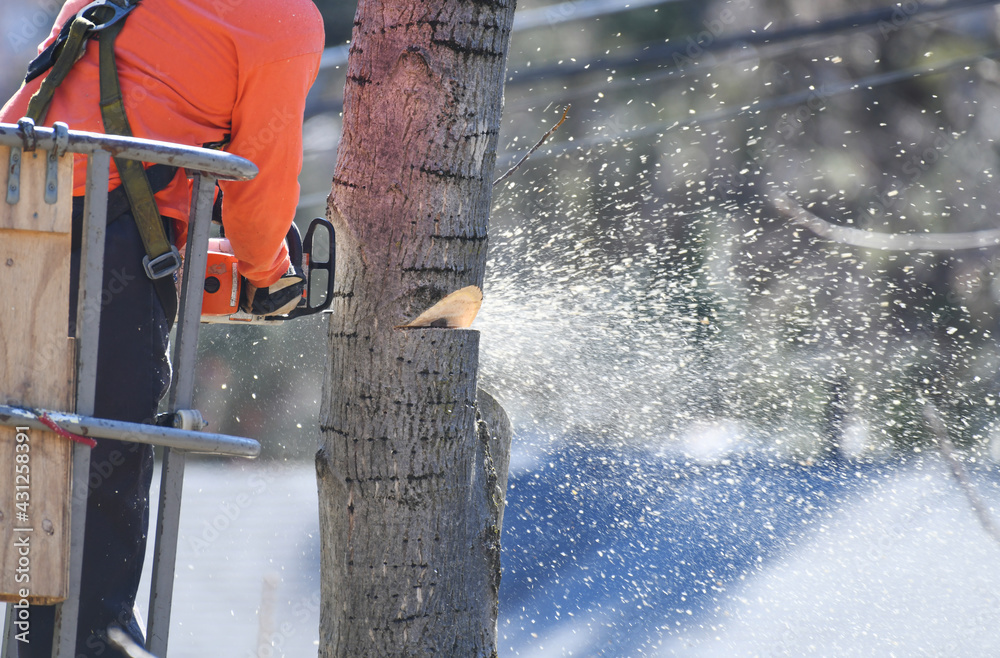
[205, 167]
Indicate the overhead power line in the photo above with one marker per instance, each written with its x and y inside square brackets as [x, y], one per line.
[577, 10]
[770, 50]
[694, 47]
[748, 43]
[787, 100]
[548, 16]
[863, 20]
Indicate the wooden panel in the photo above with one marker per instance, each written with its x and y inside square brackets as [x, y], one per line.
[36, 370]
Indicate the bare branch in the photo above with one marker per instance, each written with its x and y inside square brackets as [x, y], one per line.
[884, 241]
[947, 451]
[533, 148]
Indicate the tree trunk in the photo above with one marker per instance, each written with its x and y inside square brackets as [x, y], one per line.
[411, 471]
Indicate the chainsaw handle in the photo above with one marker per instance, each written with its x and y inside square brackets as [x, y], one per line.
[309, 264]
[293, 240]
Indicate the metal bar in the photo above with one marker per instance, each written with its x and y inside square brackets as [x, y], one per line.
[195, 260]
[102, 428]
[9, 647]
[68, 612]
[181, 394]
[165, 553]
[195, 159]
[88, 327]
[88, 310]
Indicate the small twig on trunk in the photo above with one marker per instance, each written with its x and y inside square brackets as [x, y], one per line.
[947, 451]
[533, 148]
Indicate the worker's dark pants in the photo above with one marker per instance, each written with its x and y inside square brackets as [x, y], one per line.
[132, 375]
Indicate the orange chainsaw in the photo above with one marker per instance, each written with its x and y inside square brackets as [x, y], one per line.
[221, 299]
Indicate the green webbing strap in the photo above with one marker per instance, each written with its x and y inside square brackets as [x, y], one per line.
[79, 32]
[162, 258]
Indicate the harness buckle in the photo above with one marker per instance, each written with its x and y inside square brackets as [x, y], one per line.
[118, 12]
[163, 265]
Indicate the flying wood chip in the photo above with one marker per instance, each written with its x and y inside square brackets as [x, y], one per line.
[456, 311]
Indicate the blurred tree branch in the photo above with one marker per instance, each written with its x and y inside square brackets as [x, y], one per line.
[885, 241]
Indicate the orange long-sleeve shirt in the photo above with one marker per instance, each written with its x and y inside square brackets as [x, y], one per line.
[195, 72]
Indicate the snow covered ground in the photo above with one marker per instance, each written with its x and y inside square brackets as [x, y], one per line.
[753, 558]
[903, 569]
[636, 554]
[869, 561]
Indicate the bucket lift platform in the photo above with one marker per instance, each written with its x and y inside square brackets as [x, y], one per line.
[47, 379]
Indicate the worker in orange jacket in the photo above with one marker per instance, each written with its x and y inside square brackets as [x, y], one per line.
[233, 74]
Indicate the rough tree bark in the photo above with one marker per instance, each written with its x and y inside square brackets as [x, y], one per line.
[412, 469]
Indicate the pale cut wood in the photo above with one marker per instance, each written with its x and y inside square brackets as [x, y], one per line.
[456, 311]
[36, 370]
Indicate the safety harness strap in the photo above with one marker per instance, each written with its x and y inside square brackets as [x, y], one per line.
[106, 18]
[47, 58]
[68, 46]
[162, 257]
[77, 31]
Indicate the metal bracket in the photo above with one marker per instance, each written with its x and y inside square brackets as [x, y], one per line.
[14, 176]
[30, 141]
[189, 420]
[119, 10]
[52, 168]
